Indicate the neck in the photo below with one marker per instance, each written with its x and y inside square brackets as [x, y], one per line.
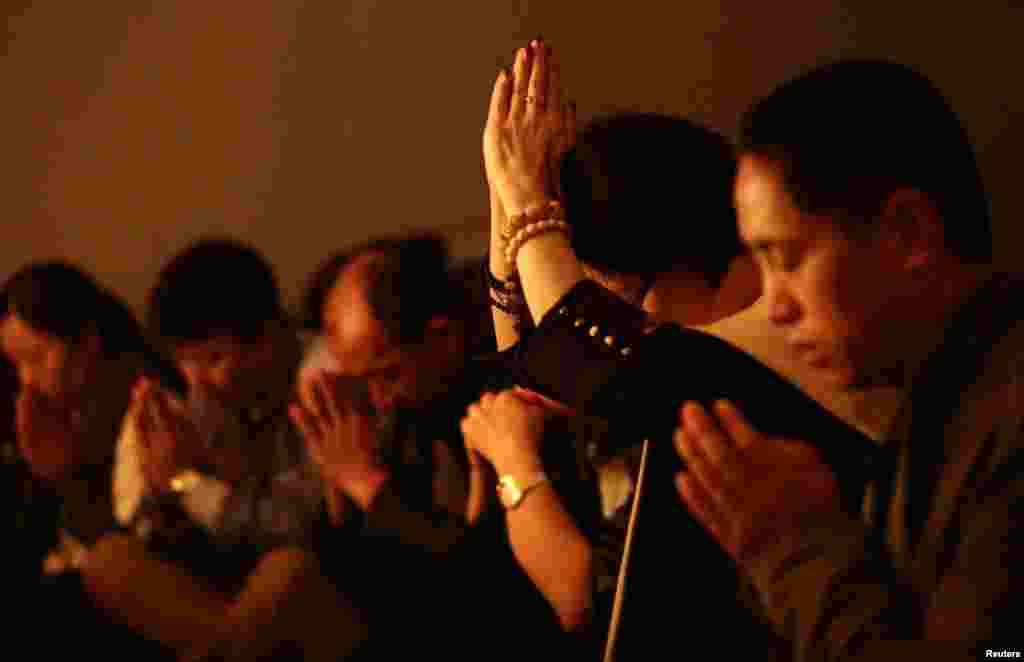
[740, 289]
[698, 304]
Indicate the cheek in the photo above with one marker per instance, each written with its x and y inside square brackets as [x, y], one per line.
[829, 297]
[58, 372]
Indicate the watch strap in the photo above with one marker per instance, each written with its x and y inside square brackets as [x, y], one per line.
[512, 491]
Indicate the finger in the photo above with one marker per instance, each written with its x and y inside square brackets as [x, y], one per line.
[471, 431]
[520, 83]
[735, 425]
[543, 401]
[143, 423]
[802, 453]
[317, 405]
[307, 425]
[553, 93]
[701, 468]
[163, 417]
[331, 408]
[501, 97]
[475, 410]
[700, 503]
[537, 88]
[487, 400]
[466, 428]
[704, 430]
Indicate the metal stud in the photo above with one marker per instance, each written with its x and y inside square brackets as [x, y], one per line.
[594, 331]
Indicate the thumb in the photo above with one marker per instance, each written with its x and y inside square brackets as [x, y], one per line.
[799, 451]
[537, 399]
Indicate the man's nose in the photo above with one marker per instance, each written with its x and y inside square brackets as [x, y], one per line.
[782, 307]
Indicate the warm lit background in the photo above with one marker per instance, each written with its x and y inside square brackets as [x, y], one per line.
[131, 127]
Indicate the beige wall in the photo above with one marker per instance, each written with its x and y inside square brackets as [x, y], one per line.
[306, 126]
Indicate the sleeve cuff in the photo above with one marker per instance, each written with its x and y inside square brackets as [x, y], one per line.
[580, 344]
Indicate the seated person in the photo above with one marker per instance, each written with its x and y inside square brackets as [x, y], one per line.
[610, 298]
[872, 231]
[75, 349]
[384, 429]
[216, 489]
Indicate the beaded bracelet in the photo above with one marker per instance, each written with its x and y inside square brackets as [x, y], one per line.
[532, 231]
[505, 295]
[551, 210]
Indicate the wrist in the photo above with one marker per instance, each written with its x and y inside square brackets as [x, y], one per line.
[518, 464]
[528, 202]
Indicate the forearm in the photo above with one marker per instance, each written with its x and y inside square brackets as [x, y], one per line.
[274, 606]
[152, 597]
[164, 602]
[548, 269]
[538, 526]
[504, 323]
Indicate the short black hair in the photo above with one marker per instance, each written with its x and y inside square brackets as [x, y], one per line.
[847, 133]
[215, 286]
[61, 299]
[647, 193]
[409, 283]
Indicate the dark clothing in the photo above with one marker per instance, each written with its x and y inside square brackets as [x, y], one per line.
[404, 562]
[935, 554]
[46, 604]
[598, 354]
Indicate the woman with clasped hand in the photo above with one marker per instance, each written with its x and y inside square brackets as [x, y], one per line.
[588, 246]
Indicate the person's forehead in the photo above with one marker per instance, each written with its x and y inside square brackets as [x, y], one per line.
[16, 335]
[356, 336]
[765, 210]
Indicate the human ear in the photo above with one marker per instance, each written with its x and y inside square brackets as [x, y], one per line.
[913, 225]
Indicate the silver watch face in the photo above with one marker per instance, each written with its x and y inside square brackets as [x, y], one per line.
[509, 492]
[509, 495]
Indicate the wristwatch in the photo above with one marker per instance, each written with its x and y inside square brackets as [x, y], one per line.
[185, 482]
[511, 491]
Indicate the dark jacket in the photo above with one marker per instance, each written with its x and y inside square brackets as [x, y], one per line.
[598, 354]
[935, 554]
